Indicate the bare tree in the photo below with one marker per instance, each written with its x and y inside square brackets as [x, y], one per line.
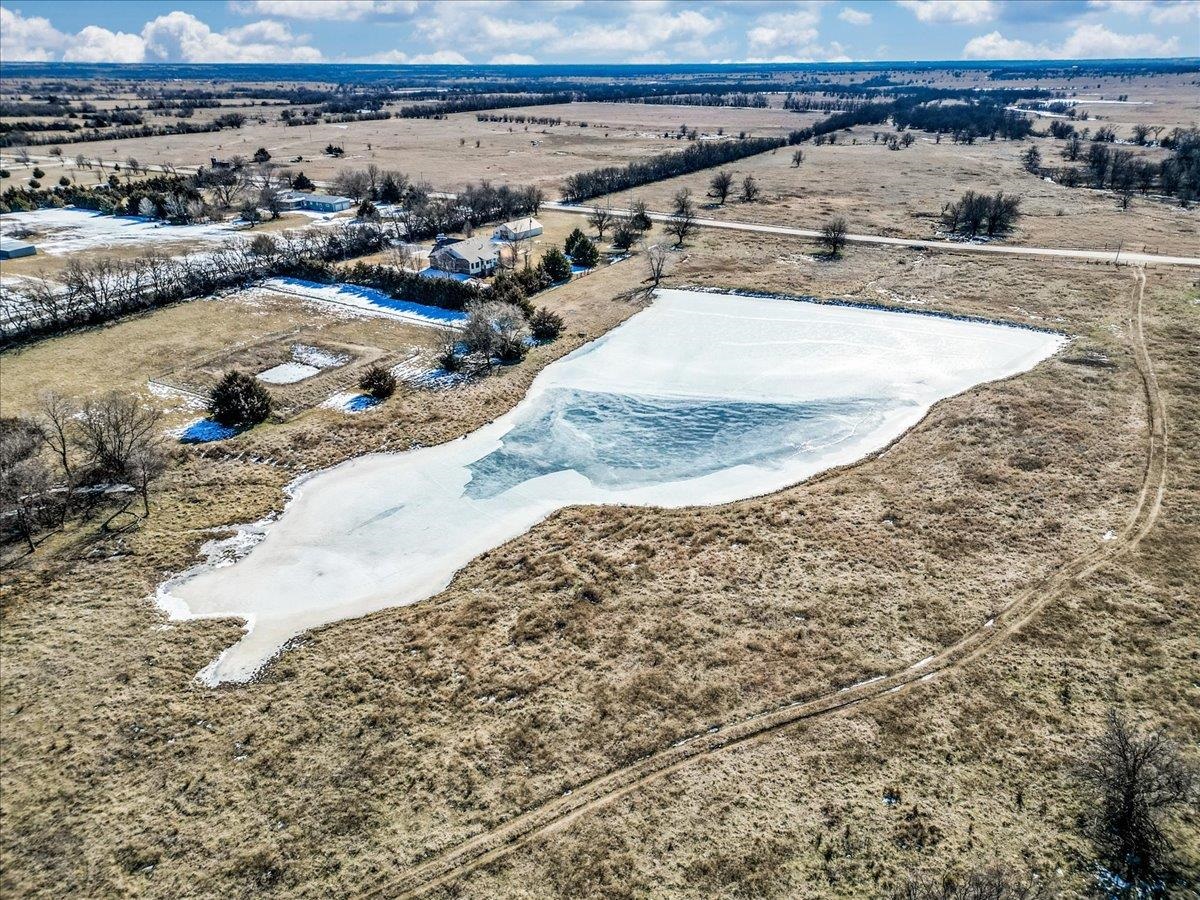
[24, 479]
[833, 236]
[720, 185]
[1138, 780]
[656, 263]
[601, 219]
[270, 187]
[682, 223]
[750, 189]
[58, 419]
[798, 156]
[21, 155]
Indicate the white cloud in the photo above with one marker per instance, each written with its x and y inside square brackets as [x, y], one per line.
[793, 30]
[643, 32]
[440, 58]
[855, 16]
[1158, 12]
[96, 44]
[1087, 41]
[1097, 42]
[957, 12]
[340, 10]
[174, 37]
[30, 38]
[513, 59]
[181, 36]
[504, 31]
[996, 46]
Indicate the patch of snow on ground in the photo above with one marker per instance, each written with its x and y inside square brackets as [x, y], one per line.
[350, 403]
[701, 398]
[315, 356]
[1109, 535]
[369, 301]
[417, 373]
[287, 373]
[69, 230]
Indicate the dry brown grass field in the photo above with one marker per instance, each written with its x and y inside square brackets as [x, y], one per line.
[442, 152]
[607, 633]
[901, 193]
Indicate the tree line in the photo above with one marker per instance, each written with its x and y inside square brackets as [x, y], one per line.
[701, 155]
[92, 291]
[474, 102]
[22, 138]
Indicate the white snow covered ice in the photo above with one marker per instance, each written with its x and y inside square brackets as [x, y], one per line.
[699, 399]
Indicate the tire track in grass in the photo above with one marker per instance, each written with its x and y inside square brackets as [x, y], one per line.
[554, 815]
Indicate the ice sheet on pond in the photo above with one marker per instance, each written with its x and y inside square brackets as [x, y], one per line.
[699, 399]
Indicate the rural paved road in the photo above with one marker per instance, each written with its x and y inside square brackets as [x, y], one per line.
[1122, 256]
[448, 864]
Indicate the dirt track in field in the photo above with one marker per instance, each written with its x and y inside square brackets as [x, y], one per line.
[592, 795]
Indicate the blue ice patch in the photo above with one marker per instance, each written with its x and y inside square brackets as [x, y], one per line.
[205, 430]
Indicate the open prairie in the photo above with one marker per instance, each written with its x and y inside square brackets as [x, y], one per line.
[605, 634]
[895, 669]
[902, 193]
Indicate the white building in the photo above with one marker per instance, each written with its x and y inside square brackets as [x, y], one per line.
[519, 229]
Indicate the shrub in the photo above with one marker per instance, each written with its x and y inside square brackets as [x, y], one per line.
[555, 265]
[586, 254]
[378, 382]
[4, 173]
[545, 325]
[496, 330]
[64, 181]
[239, 401]
[572, 241]
[34, 183]
[302, 182]
[833, 236]
[39, 173]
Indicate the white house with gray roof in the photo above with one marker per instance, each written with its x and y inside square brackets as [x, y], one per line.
[473, 256]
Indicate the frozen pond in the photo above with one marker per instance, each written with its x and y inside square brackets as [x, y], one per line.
[699, 399]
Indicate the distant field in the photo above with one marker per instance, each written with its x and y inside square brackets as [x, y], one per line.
[901, 193]
[442, 152]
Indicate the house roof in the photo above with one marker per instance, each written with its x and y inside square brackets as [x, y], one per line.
[317, 198]
[519, 226]
[470, 249]
[12, 244]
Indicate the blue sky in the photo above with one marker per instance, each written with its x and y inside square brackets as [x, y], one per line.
[593, 31]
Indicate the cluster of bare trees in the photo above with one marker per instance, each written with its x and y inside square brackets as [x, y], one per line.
[1125, 171]
[76, 459]
[94, 290]
[721, 184]
[414, 213]
[976, 213]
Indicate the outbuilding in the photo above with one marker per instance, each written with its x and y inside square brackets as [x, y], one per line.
[11, 248]
[519, 229]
